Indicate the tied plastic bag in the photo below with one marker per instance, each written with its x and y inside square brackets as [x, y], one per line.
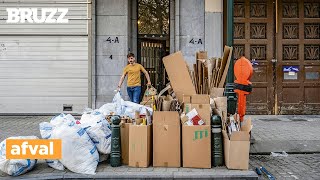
[79, 154]
[15, 167]
[98, 129]
[118, 101]
[46, 131]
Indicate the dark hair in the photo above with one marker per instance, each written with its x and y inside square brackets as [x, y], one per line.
[130, 55]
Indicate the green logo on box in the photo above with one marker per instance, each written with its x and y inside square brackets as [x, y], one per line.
[200, 134]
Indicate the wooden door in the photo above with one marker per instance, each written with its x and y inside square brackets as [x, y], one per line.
[298, 62]
[254, 38]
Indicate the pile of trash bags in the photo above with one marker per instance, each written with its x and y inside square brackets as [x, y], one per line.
[79, 153]
[85, 142]
[15, 167]
[123, 108]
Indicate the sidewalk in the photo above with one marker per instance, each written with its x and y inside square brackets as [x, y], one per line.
[293, 134]
[293, 167]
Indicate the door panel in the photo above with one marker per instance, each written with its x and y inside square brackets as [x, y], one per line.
[150, 54]
[283, 37]
[253, 38]
[298, 64]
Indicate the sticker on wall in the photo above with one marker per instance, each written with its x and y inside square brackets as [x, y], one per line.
[290, 68]
[255, 65]
[290, 72]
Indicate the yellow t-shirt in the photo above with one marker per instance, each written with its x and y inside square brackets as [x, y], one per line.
[134, 74]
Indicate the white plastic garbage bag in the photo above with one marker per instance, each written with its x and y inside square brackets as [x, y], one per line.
[98, 129]
[123, 108]
[107, 109]
[15, 167]
[118, 101]
[55, 164]
[46, 131]
[129, 109]
[79, 154]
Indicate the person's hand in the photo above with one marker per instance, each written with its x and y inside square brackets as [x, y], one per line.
[149, 84]
[118, 89]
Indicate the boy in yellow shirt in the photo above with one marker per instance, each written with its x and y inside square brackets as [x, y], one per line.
[133, 70]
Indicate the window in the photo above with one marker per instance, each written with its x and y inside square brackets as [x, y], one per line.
[153, 17]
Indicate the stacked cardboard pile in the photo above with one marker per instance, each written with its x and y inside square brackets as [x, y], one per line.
[210, 73]
[196, 137]
[181, 126]
[136, 135]
[195, 119]
[142, 143]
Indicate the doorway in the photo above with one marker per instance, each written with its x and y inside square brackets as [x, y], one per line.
[153, 39]
[282, 39]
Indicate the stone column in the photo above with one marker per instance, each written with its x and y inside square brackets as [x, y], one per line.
[191, 18]
[112, 34]
[214, 27]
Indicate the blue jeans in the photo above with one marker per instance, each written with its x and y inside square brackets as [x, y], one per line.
[134, 93]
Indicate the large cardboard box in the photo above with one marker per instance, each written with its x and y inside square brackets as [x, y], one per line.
[237, 147]
[166, 139]
[179, 76]
[196, 146]
[204, 111]
[140, 148]
[124, 130]
[197, 99]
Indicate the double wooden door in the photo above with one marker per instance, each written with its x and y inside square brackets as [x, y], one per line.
[282, 39]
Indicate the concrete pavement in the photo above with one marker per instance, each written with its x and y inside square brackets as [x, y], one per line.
[292, 167]
[104, 171]
[293, 134]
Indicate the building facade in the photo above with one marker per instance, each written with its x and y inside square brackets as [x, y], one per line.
[49, 67]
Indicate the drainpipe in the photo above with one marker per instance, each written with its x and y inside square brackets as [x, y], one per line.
[229, 90]
[230, 77]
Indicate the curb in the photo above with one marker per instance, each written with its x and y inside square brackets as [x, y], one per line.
[228, 174]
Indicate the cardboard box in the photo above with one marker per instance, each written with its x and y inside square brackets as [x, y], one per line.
[124, 130]
[227, 54]
[183, 119]
[166, 139]
[197, 99]
[204, 111]
[196, 146]
[140, 147]
[179, 76]
[236, 149]
[202, 55]
[216, 92]
[146, 103]
[221, 107]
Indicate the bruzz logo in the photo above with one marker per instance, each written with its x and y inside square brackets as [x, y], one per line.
[22, 15]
